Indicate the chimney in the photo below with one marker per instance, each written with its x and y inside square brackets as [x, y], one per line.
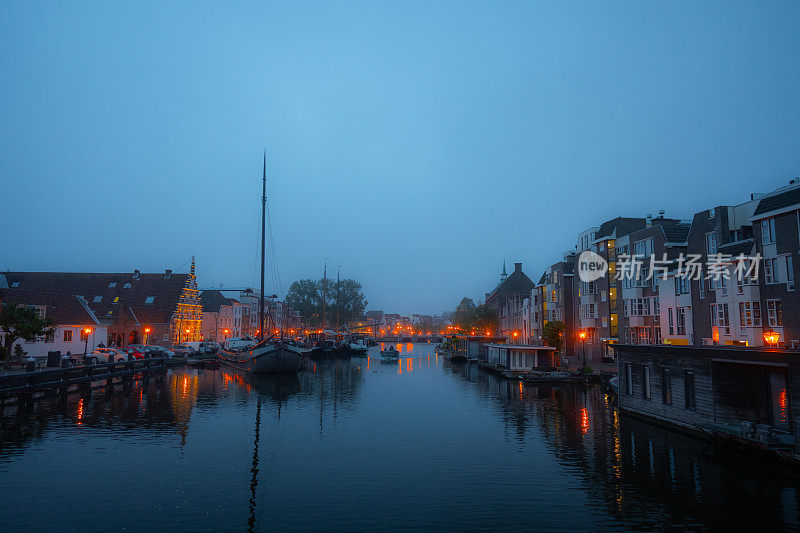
[517, 267]
[648, 220]
[136, 274]
[167, 273]
[661, 213]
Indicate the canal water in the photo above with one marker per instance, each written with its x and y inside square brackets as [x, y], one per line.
[363, 445]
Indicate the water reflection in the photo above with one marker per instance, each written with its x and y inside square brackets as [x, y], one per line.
[359, 444]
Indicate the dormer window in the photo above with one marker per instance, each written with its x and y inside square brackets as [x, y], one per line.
[116, 299]
[126, 286]
[112, 285]
[149, 299]
[97, 299]
[15, 284]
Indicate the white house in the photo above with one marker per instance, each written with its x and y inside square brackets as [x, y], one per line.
[72, 317]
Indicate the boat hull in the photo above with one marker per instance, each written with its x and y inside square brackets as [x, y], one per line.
[271, 359]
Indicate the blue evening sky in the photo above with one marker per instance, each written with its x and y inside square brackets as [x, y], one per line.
[417, 144]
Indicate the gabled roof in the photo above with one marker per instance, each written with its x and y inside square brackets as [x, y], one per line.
[63, 309]
[617, 227]
[777, 202]
[112, 296]
[212, 301]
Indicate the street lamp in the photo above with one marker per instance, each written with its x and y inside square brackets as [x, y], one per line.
[582, 336]
[771, 337]
[146, 335]
[225, 331]
[86, 332]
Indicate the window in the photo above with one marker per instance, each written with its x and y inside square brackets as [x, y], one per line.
[680, 319]
[116, 299]
[646, 382]
[711, 243]
[112, 285]
[126, 286]
[681, 285]
[768, 231]
[149, 299]
[15, 285]
[628, 379]
[67, 335]
[688, 390]
[750, 314]
[50, 336]
[789, 273]
[723, 318]
[97, 299]
[774, 313]
[643, 248]
[669, 316]
[702, 286]
[770, 274]
[666, 386]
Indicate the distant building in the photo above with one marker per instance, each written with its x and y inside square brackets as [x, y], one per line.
[506, 300]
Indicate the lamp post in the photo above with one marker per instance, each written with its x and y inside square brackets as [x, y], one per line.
[86, 332]
[146, 335]
[582, 336]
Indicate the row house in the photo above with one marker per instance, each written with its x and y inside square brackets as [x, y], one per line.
[553, 300]
[598, 303]
[222, 316]
[131, 308]
[655, 248]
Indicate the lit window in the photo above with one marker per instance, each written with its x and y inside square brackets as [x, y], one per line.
[149, 299]
[116, 299]
[98, 299]
[67, 335]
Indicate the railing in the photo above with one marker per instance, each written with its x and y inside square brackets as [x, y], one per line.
[24, 382]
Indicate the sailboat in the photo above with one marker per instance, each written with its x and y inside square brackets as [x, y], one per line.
[272, 355]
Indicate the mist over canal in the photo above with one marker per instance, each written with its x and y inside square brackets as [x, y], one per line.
[360, 444]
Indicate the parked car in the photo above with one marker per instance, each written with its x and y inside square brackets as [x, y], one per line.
[106, 355]
[160, 351]
[182, 350]
[136, 351]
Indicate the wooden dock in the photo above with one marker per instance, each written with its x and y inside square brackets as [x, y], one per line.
[77, 377]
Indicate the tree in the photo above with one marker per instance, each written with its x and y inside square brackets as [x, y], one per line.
[17, 322]
[305, 296]
[553, 334]
[486, 319]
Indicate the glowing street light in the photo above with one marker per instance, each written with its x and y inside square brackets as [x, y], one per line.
[582, 336]
[146, 335]
[772, 338]
[86, 332]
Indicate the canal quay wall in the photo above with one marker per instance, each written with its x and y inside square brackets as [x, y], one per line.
[25, 387]
[742, 396]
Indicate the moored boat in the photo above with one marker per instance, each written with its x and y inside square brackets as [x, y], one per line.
[267, 357]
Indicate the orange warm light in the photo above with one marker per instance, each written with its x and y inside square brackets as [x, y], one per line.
[516, 334]
[771, 337]
[87, 330]
[582, 335]
[147, 330]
